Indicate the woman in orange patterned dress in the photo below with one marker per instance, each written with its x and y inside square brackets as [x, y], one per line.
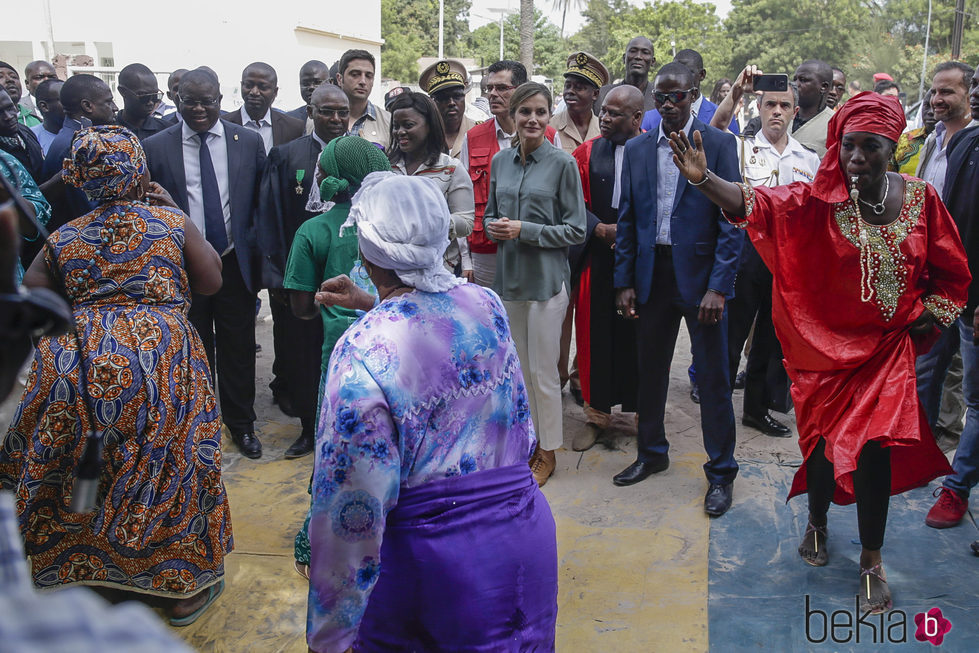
[161, 524]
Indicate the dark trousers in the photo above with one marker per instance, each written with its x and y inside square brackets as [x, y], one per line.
[659, 323]
[766, 383]
[226, 323]
[298, 345]
[871, 487]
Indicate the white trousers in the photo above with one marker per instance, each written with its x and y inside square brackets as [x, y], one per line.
[536, 329]
[484, 268]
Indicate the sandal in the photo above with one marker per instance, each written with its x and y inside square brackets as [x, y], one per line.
[302, 569]
[821, 557]
[871, 601]
[213, 592]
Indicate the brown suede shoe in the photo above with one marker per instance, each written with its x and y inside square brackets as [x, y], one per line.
[542, 465]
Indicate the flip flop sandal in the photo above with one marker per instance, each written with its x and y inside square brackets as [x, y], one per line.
[214, 591]
[822, 556]
[870, 602]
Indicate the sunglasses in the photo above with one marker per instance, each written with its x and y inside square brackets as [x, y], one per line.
[146, 98]
[672, 96]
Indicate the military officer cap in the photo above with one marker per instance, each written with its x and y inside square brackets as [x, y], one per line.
[588, 68]
[447, 73]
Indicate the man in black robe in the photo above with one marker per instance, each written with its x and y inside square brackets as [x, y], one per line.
[285, 191]
[606, 342]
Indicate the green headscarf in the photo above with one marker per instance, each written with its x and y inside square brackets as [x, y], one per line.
[346, 161]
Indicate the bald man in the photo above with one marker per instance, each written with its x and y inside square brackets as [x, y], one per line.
[311, 75]
[172, 117]
[259, 88]
[34, 73]
[606, 343]
[282, 209]
[140, 94]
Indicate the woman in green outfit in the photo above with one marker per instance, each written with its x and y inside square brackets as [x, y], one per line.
[320, 252]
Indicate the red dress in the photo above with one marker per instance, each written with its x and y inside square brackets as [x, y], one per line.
[842, 313]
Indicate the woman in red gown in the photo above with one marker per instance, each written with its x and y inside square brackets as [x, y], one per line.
[865, 262]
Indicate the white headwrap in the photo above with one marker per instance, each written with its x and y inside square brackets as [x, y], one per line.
[403, 225]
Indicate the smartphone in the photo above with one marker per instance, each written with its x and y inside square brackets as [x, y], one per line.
[771, 83]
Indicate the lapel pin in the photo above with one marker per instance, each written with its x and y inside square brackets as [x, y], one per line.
[236, 136]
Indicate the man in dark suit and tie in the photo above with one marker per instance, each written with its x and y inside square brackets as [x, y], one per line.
[212, 169]
[676, 257]
[286, 184]
[259, 88]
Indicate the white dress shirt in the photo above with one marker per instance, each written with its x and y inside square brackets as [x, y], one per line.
[262, 126]
[667, 182]
[617, 188]
[762, 165]
[218, 147]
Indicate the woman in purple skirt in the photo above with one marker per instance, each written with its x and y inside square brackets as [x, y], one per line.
[428, 531]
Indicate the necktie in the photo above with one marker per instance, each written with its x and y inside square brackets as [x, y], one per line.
[214, 230]
[257, 125]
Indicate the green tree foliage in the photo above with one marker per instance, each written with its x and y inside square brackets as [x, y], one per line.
[550, 51]
[777, 37]
[595, 36]
[410, 30]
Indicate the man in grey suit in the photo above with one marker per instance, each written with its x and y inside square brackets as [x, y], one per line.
[212, 169]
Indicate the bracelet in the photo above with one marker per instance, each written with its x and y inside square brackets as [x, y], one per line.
[702, 181]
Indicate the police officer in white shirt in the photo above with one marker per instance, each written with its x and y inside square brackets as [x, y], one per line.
[770, 158]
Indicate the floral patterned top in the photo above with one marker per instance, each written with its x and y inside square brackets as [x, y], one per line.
[424, 386]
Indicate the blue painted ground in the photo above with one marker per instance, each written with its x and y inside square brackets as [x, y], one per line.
[758, 583]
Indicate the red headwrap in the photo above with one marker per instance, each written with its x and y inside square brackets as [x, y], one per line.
[864, 112]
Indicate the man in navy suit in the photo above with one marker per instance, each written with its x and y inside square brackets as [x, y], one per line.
[676, 257]
[701, 107]
[212, 169]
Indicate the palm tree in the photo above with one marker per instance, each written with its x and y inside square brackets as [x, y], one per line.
[564, 5]
[527, 35]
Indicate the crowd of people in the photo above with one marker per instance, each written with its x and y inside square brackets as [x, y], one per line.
[428, 264]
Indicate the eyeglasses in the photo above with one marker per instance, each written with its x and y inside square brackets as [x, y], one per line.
[206, 103]
[332, 113]
[145, 98]
[500, 88]
[672, 96]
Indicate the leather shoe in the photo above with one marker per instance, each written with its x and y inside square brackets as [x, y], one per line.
[767, 425]
[640, 471]
[303, 446]
[739, 380]
[248, 444]
[718, 499]
[694, 393]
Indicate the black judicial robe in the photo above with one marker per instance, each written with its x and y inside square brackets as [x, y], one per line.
[606, 342]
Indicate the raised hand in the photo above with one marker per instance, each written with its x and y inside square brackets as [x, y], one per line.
[689, 158]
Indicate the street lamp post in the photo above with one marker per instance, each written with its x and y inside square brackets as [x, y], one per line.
[503, 12]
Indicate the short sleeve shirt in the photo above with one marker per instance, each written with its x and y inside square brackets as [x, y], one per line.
[319, 252]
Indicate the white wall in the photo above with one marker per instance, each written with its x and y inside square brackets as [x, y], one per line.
[189, 33]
